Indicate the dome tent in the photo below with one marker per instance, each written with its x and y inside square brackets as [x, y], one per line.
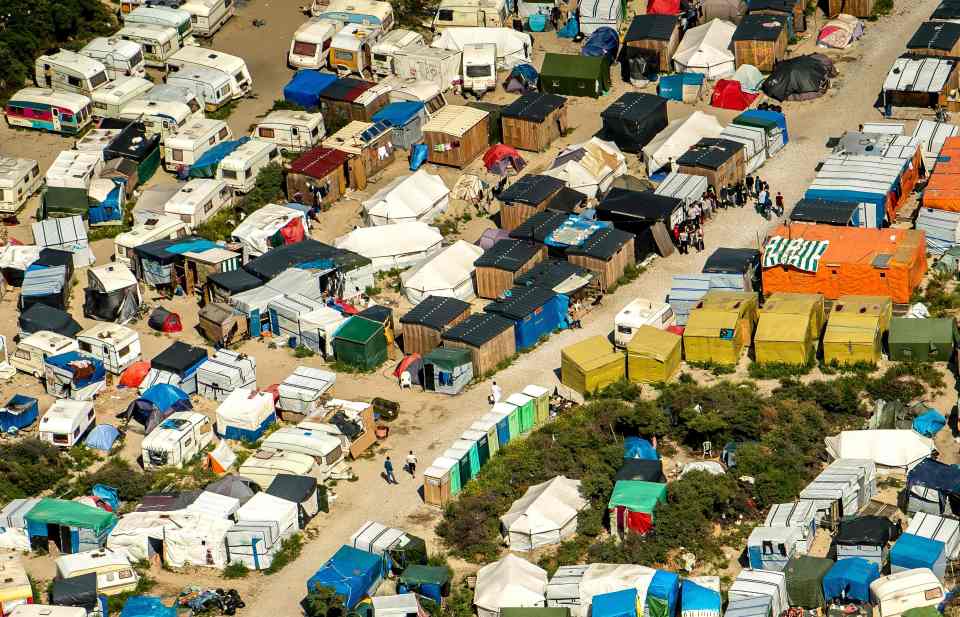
[512, 581]
[545, 515]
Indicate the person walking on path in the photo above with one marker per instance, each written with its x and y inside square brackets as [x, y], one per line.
[779, 203]
[750, 185]
[683, 240]
[388, 471]
[495, 393]
[699, 234]
[412, 463]
[762, 198]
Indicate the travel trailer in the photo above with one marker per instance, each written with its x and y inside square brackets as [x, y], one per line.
[388, 46]
[440, 66]
[165, 16]
[19, 180]
[68, 71]
[48, 110]
[239, 169]
[470, 13]
[113, 569]
[208, 16]
[66, 422]
[479, 68]
[109, 101]
[198, 200]
[16, 589]
[164, 227]
[265, 465]
[240, 80]
[211, 86]
[897, 593]
[158, 42]
[350, 51]
[325, 449]
[121, 57]
[116, 346]
[34, 349]
[179, 438]
[425, 92]
[311, 44]
[363, 12]
[176, 94]
[639, 313]
[191, 141]
[291, 131]
[163, 118]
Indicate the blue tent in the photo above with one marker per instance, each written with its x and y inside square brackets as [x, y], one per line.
[662, 594]
[110, 209]
[912, 551]
[522, 78]
[615, 604]
[698, 601]
[147, 606]
[108, 494]
[930, 423]
[638, 447]
[399, 113]
[671, 86]
[102, 437]
[305, 88]
[351, 573]
[20, 412]
[156, 403]
[206, 165]
[850, 579]
[603, 42]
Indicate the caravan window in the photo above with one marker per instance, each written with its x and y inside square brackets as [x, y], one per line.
[125, 574]
[266, 133]
[178, 155]
[207, 207]
[73, 81]
[205, 428]
[212, 140]
[445, 15]
[85, 346]
[98, 79]
[767, 547]
[225, 193]
[315, 132]
[193, 105]
[380, 57]
[478, 71]
[302, 48]
[124, 351]
[230, 174]
[22, 354]
[223, 91]
[342, 54]
[223, 133]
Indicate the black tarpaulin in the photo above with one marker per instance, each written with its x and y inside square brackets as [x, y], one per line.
[520, 302]
[551, 273]
[235, 281]
[796, 78]
[784, 6]
[478, 329]
[435, 312]
[178, 357]
[948, 9]
[823, 211]
[710, 153]
[651, 27]
[567, 200]
[42, 317]
[634, 119]
[75, 591]
[539, 226]
[308, 251]
[759, 27]
[534, 106]
[638, 205]
[530, 189]
[603, 244]
[508, 255]
[292, 488]
[868, 530]
[637, 469]
[731, 261]
[939, 35]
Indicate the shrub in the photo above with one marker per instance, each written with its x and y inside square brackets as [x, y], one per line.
[289, 551]
[777, 370]
[29, 467]
[235, 570]
[712, 367]
[323, 601]
[131, 484]
[303, 352]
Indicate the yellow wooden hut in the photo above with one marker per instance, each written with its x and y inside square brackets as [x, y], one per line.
[653, 355]
[591, 364]
[719, 327]
[855, 329]
[789, 329]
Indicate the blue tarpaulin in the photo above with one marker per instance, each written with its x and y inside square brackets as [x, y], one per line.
[850, 578]
[662, 593]
[102, 437]
[930, 423]
[615, 604]
[351, 573]
[399, 113]
[638, 447]
[935, 475]
[108, 494]
[306, 86]
[156, 403]
[147, 606]
[206, 165]
[603, 42]
[418, 156]
[522, 78]
[71, 360]
[197, 245]
[570, 29]
[110, 209]
[912, 551]
[698, 601]
[671, 86]
[20, 412]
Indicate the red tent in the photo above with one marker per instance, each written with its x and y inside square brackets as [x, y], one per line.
[728, 94]
[500, 156]
[663, 7]
[163, 320]
[134, 374]
[406, 362]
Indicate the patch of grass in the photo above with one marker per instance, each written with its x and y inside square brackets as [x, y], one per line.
[882, 8]
[342, 367]
[106, 232]
[713, 367]
[289, 551]
[81, 457]
[501, 365]
[285, 105]
[858, 368]
[224, 112]
[372, 290]
[778, 370]
[236, 570]
[219, 226]
[303, 352]
[448, 226]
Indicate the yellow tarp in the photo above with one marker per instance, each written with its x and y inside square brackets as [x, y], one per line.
[713, 336]
[590, 365]
[852, 337]
[743, 302]
[784, 339]
[798, 304]
[653, 355]
[881, 306]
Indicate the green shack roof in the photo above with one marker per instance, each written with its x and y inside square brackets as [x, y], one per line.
[804, 577]
[71, 514]
[448, 358]
[568, 65]
[637, 495]
[539, 611]
[359, 330]
[904, 330]
[422, 575]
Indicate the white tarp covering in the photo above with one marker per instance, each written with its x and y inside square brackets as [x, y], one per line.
[400, 605]
[245, 410]
[685, 187]
[311, 322]
[754, 140]
[706, 49]
[677, 138]
[377, 538]
[214, 504]
[753, 583]
[449, 273]
[598, 13]
[65, 234]
[18, 256]
[589, 168]
[921, 74]
[189, 538]
[224, 372]
[255, 231]
[888, 447]
[400, 245]
[510, 582]
[418, 197]
[946, 530]
[545, 515]
[302, 390]
[111, 277]
[512, 47]
[932, 134]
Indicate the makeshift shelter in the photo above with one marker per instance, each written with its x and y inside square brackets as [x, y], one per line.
[602, 42]
[73, 375]
[804, 578]
[740, 266]
[536, 313]
[632, 506]
[705, 49]
[245, 414]
[509, 582]
[162, 320]
[608, 253]
[527, 196]
[561, 276]
[420, 197]
[699, 599]
[146, 606]
[397, 245]
[720, 327]
[161, 264]
[497, 268]
[360, 342]
[840, 32]
[18, 413]
[221, 286]
[318, 177]
[864, 537]
[429, 581]
[752, 584]
[369, 148]
[112, 294]
[156, 403]
[448, 371]
[513, 48]
[941, 529]
[489, 338]
[575, 75]
[899, 448]
[400, 549]
[771, 548]
[797, 79]
[634, 120]
[721, 161]
[176, 365]
[793, 11]
[849, 579]
[936, 38]
[788, 330]
[424, 324]
[406, 118]
[540, 226]
[760, 41]
[301, 490]
[224, 372]
[827, 212]
[923, 340]
[623, 603]
[498, 159]
[773, 123]
[221, 324]
[653, 38]
[534, 120]
[305, 87]
[679, 136]
[76, 591]
[545, 515]
[933, 488]
[73, 527]
[912, 551]
[653, 355]
[855, 329]
[305, 322]
[352, 100]
[302, 391]
[456, 135]
[591, 364]
[729, 94]
[921, 81]
[352, 573]
[46, 283]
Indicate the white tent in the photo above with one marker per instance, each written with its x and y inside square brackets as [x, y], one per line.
[245, 414]
[545, 515]
[255, 231]
[399, 245]
[761, 583]
[510, 582]
[266, 507]
[706, 49]
[672, 142]
[589, 168]
[512, 47]
[224, 372]
[601, 578]
[214, 504]
[302, 390]
[419, 197]
[196, 539]
[262, 525]
[889, 447]
[449, 273]
[65, 234]
[135, 530]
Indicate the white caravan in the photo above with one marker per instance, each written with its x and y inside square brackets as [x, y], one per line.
[113, 569]
[470, 13]
[191, 141]
[325, 449]
[163, 118]
[109, 101]
[208, 16]
[897, 593]
[350, 50]
[265, 465]
[121, 57]
[116, 346]
[166, 16]
[311, 44]
[291, 131]
[35, 348]
[160, 228]
[440, 66]
[479, 68]
[176, 94]
[68, 71]
[180, 437]
[385, 49]
[426, 92]
[198, 200]
[66, 422]
[240, 81]
[639, 313]
[46, 610]
[211, 86]
[19, 180]
[364, 12]
[239, 169]
[158, 42]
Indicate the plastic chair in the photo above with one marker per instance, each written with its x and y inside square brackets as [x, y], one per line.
[406, 381]
[537, 23]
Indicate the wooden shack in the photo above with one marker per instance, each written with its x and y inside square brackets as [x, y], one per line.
[424, 324]
[760, 40]
[318, 177]
[654, 38]
[456, 135]
[857, 8]
[607, 252]
[525, 197]
[222, 324]
[369, 148]
[936, 38]
[534, 120]
[489, 338]
[720, 161]
[791, 10]
[922, 81]
[500, 265]
[349, 99]
[202, 264]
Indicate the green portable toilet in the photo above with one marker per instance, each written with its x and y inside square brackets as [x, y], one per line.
[360, 342]
[462, 456]
[528, 410]
[575, 75]
[453, 469]
[473, 452]
[541, 398]
[922, 340]
[488, 424]
[512, 414]
[482, 444]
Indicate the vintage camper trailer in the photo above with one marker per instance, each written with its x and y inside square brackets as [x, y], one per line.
[66, 422]
[34, 349]
[638, 313]
[166, 16]
[176, 94]
[121, 57]
[114, 572]
[310, 47]
[191, 141]
[163, 118]
[68, 71]
[116, 346]
[471, 13]
[264, 466]
[376, 13]
[240, 81]
[180, 437]
[161, 228]
[198, 200]
[109, 101]
[326, 450]
[48, 110]
[211, 86]
[208, 16]
[351, 49]
[239, 169]
[19, 180]
[158, 42]
[387, 47]
[440, 66]
[291, 131]
[897, 593]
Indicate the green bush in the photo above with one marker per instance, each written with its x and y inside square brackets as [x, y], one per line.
[29, 467]
[131, 484]
[235, 570]
[778, 370]
[303, 352]
[289, 551]
[324, 601]
[713, 367]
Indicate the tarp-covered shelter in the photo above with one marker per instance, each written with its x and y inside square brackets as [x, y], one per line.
[406, 118]
[849, 579]
[855, 329]
[653, 355]
[719, 327]
[535, 312]
[360, 342]
[575, 75]
[936, 38]
[864, 537]
[156, 403]
[65, 234]
[112, 294]
[545, 515]
[788, 331]
[804, 577]
[176, 365]
[419, 197]
[268, 227]
[397, 245]
[751, 584]
[706, 49]
[448, 371]
[933, 487]
[729, 94]
[509, 582]
[923, 340]
[74, 375]
[797, 79]
[74, 527]
[351, 573]
[941, 529]
[678, 137]
[589, 168]
[900, 448]
[827, 212]
[697, 599]
[634, 119]
[652, 38]
[305, 87]
[645, 214]
[840, 32]
[245, 415]
[761, 41]
[225, 371]
[912, 551]
[221, 286]
[632, 505]
[301, 490]
[42, 317]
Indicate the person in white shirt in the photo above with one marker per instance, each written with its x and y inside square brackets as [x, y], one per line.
[412, 463]
[495, 393]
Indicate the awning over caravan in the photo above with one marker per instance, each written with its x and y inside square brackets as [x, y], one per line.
[257, 233]
[512, 47]
[850, 579]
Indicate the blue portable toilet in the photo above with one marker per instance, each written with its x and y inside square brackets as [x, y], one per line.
[502, 412]
[305, 87]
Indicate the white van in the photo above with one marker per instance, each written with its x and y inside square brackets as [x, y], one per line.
[166, 93]
[291, 131]
[211, 86]
[311, 43]
[68, 71]
[123, 58]
[208, 16]
[240, 81]
[160, 228]
[198, 200]
[638, 313]
[265, 465]
[441, 66]
[390, 44]
[66, 422]
[479, 68]
[109, 101]
[179, 438]
[163, 118]
[19, 180]
[897, 593]
[158, 42]
[113, 569]
[239, 169]
[471, 13]
[363, 12]
[191, 141]
[326, 450]
[166, 16]
[33, 349]
[426, 92]
[116, 346]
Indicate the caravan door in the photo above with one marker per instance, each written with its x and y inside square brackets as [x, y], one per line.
[867, 216]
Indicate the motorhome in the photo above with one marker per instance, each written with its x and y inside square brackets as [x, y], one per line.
[68, 71]
[640, 312]
[326, 450]
[388, 46]
[191, 141]
[34, 349]
[208, 16]
[45, 109]
[363, 12]
[311, 44]
[239, 169]
[408, 89]
[121, 57]
[66, 422]
[160, 228]
[198, 200]
[240, 81]
[180, 437]
[265, 465]
[176, 94]
[19, 180]
[116, 346]
[471, 13]
[169, 17]
[158, 42]
[159, 118]
[350, 51]
[441, 66]
[211, 86]
[479, 68]
[114, 572]
[109, 101]
[291, 131]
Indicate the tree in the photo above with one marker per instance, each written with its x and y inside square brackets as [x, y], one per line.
[323, 601]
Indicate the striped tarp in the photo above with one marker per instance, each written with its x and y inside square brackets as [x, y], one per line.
[801, 254]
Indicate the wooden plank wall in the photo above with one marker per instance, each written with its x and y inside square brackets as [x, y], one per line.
[609, 271]
[422, 339]
[513, 215]
[472, 144]
[733, 171]
[535, 136]
[486, 357]
[761, 54]
[300, 183]
[491, 282]
[663, 49]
